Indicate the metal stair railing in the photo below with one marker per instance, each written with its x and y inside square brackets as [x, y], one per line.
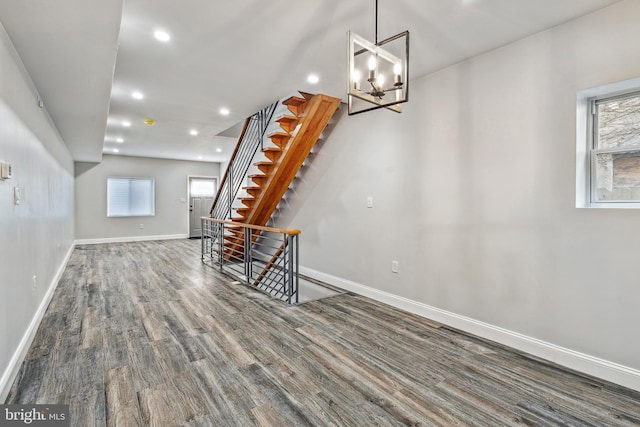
[263, 257]
[250, 140]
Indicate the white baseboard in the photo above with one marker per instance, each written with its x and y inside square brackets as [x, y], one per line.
[13, 368]
[610, 371]
[130, 239]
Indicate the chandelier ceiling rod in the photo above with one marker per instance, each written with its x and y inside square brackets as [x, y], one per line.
[376, 22]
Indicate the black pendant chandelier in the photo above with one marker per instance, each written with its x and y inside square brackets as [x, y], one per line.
[387, 72]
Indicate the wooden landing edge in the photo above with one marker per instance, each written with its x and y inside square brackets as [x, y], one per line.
[251, 226]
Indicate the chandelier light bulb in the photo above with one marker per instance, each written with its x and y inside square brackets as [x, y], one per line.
[380, 80]
[372, 68]
[372, 62]
[397, 69]
[356, 79]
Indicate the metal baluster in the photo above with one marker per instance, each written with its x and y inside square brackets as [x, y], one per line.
[230, 181]
[202, 225]
[221, 245]
[247, 253]
[295, 242]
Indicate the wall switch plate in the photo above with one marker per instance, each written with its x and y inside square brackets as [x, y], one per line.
[5, 170]
[34, 283]
[16, 195]
[369, 201]
[394, 266]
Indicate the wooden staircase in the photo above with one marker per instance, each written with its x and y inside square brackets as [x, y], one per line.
[299, 131]
[300, 127]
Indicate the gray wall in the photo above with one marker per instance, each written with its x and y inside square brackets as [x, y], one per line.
[474, 194]
[37, 234]
[171, 217]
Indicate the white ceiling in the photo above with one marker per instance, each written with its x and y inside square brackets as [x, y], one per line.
[86, 58]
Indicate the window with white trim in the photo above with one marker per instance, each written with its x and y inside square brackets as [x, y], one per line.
[130, 197]
[614, 150]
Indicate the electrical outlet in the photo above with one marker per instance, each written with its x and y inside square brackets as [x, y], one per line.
[369, 201]
[394, 266]
[16, 195]
[34, 282]
[141, 226]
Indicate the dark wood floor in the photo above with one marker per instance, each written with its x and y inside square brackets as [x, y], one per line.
[144, 334]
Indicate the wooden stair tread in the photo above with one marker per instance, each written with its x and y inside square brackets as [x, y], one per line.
[296, 104]
[306, 95]
[254, 190]
[265, 165]
[272, 153]
[280, 138]
[294, 100]
[258, 178]
[276, 149]
[288, 122]
[279, 133]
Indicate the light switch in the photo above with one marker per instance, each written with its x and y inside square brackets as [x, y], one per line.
[5, 170]
[394, 266]
[16, 195]
[369, 201]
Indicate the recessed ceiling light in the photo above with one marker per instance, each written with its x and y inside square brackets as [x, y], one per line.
[224, 111]
[137, 95]
[193, 132]
[313, 78]
[126, 124]
[120, 140]
[115, 150]
[162, 36]
[199, 157]
[218, 150]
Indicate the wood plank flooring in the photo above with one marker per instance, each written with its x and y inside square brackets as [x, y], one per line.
[143, 334]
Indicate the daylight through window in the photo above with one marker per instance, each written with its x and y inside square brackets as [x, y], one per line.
[130, 197]
[615, 149]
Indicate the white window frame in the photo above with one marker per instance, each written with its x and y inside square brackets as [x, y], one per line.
[153, 197]
[594, 151]
[586, 139]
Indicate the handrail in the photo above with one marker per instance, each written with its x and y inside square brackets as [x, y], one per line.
[251, 138]
[251, 226]
[231, 159]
